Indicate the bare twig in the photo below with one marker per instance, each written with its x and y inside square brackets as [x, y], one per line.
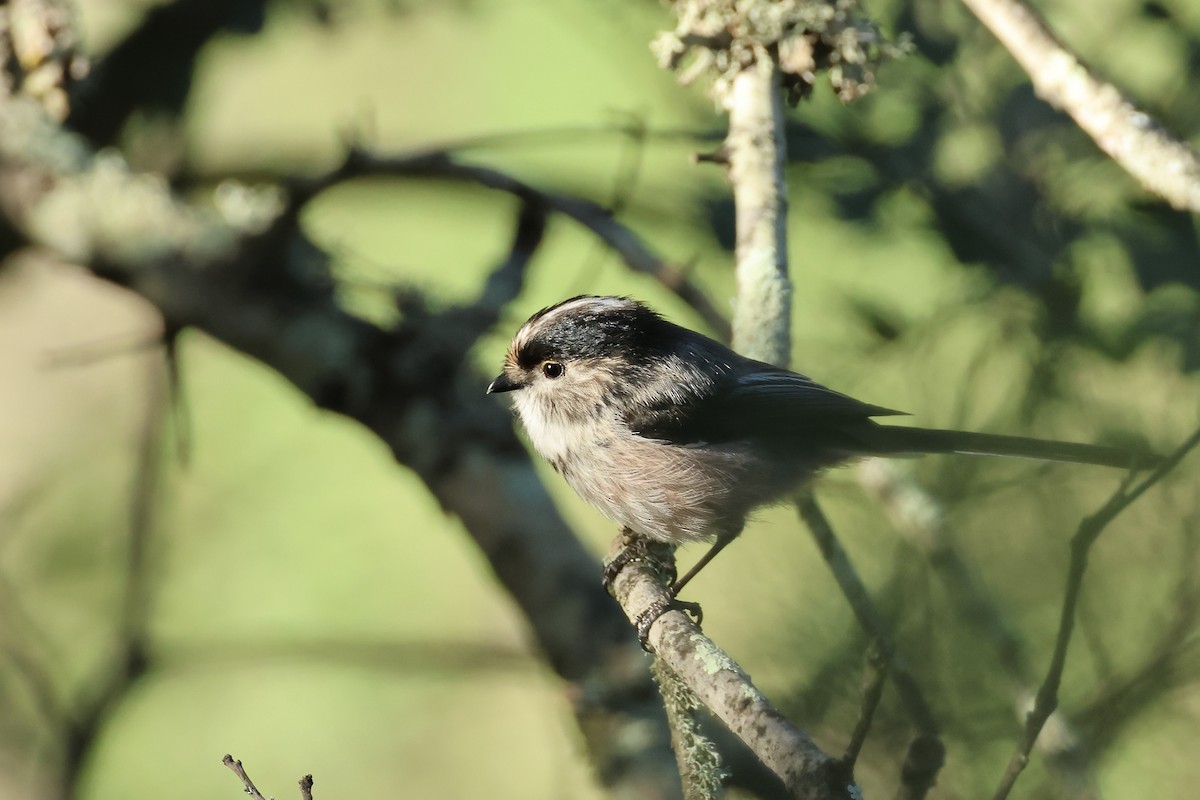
[874, 679]
[1086, 534]
[1161, 163]
[919, 518]
[869, 618]
[238, 770]
[926, 752]
[306, 784]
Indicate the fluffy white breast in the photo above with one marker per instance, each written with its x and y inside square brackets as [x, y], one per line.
[551, 435]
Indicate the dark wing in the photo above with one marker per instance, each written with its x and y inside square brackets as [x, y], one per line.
[765, 405]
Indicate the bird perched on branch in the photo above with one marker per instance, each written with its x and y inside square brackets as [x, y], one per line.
[678, 438]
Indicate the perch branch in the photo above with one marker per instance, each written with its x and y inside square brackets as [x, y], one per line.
[726, 690]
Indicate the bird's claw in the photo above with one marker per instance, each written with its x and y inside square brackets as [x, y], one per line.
[645, 620]
[636, 548]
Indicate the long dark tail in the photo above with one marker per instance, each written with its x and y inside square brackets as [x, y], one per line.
[895, 440]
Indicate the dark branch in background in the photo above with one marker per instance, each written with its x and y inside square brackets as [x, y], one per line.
[442, 164]
[152, 67]
[83, 725]
[1088, 532]
[263, 290]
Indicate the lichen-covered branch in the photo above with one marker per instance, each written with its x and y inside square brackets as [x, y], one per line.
[755, 153]
[726, 690]
[1162, 164]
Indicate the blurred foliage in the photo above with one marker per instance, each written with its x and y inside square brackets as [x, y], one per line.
[959, 250]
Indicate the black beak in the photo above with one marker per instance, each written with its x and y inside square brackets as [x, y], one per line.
[503, 383]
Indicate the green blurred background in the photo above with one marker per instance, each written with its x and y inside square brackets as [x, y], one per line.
[958, 249]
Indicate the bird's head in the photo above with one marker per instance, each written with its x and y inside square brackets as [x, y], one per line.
[568, 358]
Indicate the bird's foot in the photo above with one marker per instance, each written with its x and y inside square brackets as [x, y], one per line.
[634, 548]
[645, 620]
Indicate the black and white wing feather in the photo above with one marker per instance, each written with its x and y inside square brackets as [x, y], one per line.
[764, 405]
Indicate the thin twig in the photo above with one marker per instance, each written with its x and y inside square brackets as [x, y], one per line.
[874, 679]
[1086, 534]
[869, 618]
[921, 520]
[306, 784]
[238, 770]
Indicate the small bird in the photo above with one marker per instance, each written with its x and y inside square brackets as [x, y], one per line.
[678, 438]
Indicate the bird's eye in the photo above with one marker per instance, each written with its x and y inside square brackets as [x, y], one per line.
[552, 369]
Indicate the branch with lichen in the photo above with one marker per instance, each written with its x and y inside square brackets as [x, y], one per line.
[701, 670]
[759, 54]
[1161, 163]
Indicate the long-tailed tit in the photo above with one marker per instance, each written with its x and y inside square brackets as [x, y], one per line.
[678, 438]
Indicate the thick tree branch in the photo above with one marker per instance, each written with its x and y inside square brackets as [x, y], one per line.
[1161, 163]
[258, 287]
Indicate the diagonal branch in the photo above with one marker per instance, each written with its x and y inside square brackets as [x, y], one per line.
[1163, 164]
[725, 689]
[926, 753]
